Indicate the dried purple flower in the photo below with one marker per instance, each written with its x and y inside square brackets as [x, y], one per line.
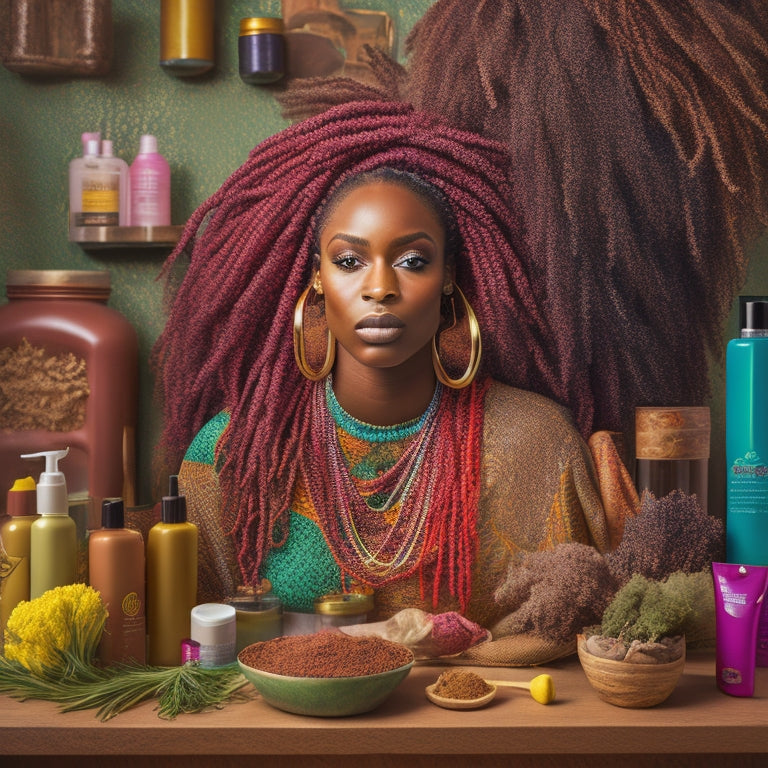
[669, 534]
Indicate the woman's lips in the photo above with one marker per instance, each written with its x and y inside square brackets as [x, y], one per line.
[380, 329]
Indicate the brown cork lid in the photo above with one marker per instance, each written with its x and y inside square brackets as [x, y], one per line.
[672, 433]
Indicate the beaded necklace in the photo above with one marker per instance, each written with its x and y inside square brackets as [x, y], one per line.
[406, 535]
[424, 519]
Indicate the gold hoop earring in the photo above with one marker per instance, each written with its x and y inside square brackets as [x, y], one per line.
[299, 350]
[476, 349]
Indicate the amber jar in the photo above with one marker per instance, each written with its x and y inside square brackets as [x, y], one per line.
[69, 373]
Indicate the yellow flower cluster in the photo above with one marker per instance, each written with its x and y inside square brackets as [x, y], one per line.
[64, 620]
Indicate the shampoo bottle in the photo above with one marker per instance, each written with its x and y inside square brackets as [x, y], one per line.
[116, 568]
[150, 185]
[94, 189]
[171, 579]
[118, 164]
[15, 538]
[746, 439]
[53, 536]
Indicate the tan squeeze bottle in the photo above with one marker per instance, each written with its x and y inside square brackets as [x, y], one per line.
[171, 579]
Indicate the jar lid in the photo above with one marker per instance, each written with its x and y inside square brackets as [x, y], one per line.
[58, 283]
[672, 433]
[256, 603]
[252, 25]
[212, 614]
[344, 604]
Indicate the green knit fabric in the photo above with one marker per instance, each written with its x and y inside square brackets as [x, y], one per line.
[303, 568]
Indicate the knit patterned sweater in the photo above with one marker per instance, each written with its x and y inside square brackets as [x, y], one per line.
[540, 486]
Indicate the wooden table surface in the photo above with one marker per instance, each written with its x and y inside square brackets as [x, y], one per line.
[697, 725]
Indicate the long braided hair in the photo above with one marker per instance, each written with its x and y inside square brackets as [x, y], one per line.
[227, 343]
[638, 139]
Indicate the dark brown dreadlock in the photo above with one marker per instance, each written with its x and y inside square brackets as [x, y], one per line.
[638, 134]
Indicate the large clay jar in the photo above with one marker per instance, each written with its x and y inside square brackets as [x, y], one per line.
[68, 378]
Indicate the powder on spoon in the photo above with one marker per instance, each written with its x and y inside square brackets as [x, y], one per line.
[461, 684]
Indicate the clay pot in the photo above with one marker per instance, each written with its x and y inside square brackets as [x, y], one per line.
[627, 684]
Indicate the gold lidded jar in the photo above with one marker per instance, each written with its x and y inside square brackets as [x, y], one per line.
[341, 609]
[261, 50]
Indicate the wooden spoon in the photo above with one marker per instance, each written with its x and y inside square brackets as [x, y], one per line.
[542, 689]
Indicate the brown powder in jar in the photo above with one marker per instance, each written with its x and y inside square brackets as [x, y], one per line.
[326, 654]
[461, 684]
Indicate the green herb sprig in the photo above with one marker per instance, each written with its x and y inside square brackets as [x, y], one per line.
[50, 644]
[186, 689]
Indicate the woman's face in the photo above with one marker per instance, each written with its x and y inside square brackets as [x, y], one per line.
[382, 271]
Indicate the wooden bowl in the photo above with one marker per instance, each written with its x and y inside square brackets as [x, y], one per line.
[626, 684]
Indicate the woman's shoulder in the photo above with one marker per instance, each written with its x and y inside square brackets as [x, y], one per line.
[503, 399]
[513, 415]
[202, 449]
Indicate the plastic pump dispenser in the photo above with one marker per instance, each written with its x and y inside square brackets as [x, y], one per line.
[53, 537]
[52, 487]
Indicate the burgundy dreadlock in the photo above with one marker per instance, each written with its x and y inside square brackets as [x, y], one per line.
[252, 252]
[638, 135]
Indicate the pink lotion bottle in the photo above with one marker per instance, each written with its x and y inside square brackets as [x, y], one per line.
[150, 185]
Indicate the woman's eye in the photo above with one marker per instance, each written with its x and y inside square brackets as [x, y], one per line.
[347, 262]
[413, 261]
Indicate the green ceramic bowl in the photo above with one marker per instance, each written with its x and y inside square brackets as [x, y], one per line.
[325, 696]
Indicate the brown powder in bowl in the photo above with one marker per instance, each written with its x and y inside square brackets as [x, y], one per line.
[326, 654]
[461, 684]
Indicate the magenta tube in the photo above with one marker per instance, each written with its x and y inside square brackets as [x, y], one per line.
[739, 594]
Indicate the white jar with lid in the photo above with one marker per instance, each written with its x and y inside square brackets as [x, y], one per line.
[213, 626]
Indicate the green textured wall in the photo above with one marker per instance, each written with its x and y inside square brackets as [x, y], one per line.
[205, 127]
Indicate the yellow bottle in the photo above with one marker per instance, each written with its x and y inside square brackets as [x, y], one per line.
[53, 536]
[171, 579]
[14, 538]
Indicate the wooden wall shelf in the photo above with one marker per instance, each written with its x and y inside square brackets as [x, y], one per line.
[98, 238]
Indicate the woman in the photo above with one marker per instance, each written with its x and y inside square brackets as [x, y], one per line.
[388, 458]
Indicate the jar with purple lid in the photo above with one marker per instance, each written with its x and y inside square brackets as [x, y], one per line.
[261, 50]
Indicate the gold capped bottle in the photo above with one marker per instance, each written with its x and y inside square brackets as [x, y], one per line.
[15, 540]
[116, 571]
[171, 579]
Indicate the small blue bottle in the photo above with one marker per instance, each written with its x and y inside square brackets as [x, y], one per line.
[746, 439]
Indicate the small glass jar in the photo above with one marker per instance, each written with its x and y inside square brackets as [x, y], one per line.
[672, 451]
[261, 50]
[343, 609]
[257, 617]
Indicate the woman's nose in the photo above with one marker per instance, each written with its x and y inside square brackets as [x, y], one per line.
[380, 283]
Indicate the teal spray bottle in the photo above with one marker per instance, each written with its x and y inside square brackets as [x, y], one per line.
[746, 439]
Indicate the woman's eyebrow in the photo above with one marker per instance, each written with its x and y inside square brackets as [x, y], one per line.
[397, 242]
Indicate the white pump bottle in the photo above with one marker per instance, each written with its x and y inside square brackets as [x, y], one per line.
[53, 536]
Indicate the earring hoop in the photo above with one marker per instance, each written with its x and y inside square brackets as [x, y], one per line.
[299, 349]
[476, 349]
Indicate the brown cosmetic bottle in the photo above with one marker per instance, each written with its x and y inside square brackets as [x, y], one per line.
[116, 570]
